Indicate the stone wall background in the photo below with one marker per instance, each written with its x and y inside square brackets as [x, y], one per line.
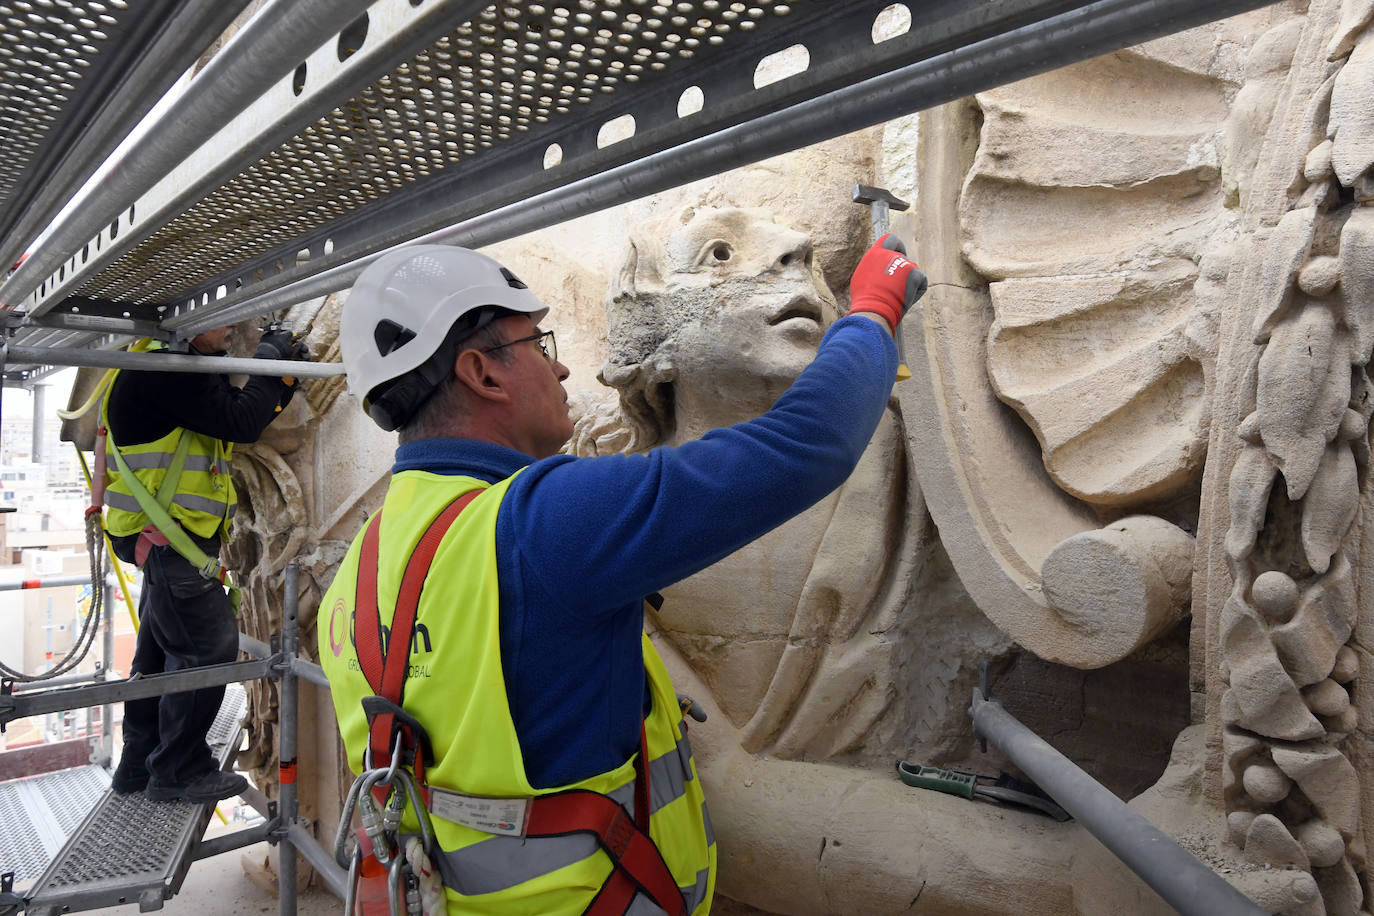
[1099, 241]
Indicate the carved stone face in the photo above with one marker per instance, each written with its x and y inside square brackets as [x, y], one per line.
[725, 306]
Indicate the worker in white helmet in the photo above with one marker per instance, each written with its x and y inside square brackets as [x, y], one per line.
[491, 615]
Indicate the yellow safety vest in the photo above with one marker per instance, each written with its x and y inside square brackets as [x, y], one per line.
[456, 689]
[204, 499]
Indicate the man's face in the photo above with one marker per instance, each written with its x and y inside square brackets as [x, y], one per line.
[216, 341]
[543, 422]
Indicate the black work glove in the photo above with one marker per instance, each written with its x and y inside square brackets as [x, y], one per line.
[278, 343]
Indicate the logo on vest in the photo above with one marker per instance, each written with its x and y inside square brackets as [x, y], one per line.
[420, 643]
[336, 642]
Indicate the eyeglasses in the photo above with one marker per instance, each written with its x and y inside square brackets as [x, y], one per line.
[545, 339]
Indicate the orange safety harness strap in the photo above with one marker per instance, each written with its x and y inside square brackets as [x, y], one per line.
[385, 664]
[639, 865]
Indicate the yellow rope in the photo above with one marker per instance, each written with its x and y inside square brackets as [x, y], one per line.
[137, 346]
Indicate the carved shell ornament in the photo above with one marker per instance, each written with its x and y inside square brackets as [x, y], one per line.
[1069, 379]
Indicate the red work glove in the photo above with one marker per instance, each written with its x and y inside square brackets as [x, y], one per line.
[885, 282]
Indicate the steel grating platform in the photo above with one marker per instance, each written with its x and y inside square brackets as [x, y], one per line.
[40, 812]
[314, 147]
[131, 849]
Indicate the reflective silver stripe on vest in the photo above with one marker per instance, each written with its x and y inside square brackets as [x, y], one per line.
[706, 822]
[641, 905]
[142, 461]
[160, 461]
[668, 775]
[502, 862]
[202, 504]
[692, 896]
[695, 894]
[123, 501]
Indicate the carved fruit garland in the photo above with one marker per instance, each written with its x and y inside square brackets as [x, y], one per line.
[1292, 792]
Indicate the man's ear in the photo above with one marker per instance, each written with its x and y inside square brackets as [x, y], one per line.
[480, 374]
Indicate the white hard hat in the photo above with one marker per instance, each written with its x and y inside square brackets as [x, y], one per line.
[397, 319]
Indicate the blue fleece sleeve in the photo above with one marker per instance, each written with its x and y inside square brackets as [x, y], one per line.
[603, 532]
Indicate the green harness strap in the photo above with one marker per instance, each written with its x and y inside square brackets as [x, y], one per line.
[156, 510]
[168, 490]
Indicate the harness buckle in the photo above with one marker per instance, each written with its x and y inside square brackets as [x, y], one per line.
[414, 738]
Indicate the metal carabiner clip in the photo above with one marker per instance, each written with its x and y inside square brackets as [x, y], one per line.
[417, 801]
[395, 893]
[351, 886]
[390, 770]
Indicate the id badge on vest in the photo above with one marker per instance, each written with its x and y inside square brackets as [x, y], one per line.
[504, 816]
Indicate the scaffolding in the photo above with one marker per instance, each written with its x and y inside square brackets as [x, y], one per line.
[327, 131]
[130, 849]
[303, 149]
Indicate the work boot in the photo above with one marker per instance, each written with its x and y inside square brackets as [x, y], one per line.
[214, 786]
[129, 777]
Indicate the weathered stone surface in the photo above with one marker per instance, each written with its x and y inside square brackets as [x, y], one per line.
[1103, 373]
[1352, 115]
[1308, 644]
[1252, 477]
[1357, 281]
[1355, 16]
[1327, 698]
[1347, 665]
[1328, 780]
[1268, 842]
[1341, 889]
[1276, 595]
[1322, 843]
[1287, 246]
[1330, 507]
[1303, 393]
[1266, 784]
[1120, 586]
[1265, 697]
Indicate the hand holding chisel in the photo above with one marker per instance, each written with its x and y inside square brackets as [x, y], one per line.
[880, 204]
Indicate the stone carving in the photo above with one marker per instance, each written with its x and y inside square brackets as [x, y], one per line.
[1287, 660]
[1150, 318]
[713, 314]
[1102, 339]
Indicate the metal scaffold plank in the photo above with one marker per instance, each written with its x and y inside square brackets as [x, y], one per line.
[75, 77]
[467, 124]
[129, 848]
[40, 812]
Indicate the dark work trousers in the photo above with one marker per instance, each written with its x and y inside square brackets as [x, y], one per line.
[185, 621]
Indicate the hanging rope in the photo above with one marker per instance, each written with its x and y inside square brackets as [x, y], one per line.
[96, 541]
[81, 647]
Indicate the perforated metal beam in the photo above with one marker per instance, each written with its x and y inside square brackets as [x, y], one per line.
[498, 126]
[129, 848]
[269, 47]
[55, 138]
[503, 202]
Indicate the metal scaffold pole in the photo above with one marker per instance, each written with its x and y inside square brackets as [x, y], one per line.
[290, 645]
[107, 667]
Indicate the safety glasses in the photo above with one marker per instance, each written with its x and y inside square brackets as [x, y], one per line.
[545, 339]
